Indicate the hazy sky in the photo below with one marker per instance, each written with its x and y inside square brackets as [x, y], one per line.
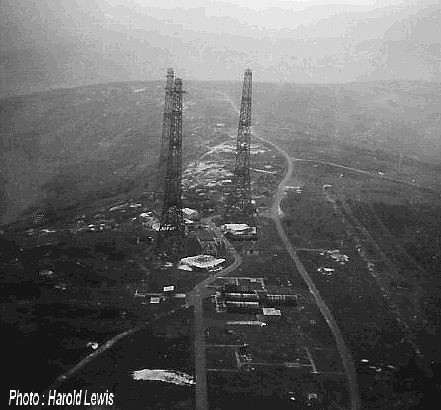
[256, 4]
[259, 14]
[48, 43]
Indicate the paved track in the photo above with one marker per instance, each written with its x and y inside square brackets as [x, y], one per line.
[347, 361]
[345, 355]
[195, 298]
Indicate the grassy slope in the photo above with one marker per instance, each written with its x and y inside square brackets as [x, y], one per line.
[390, 117]
[62, 146]
[67, 146]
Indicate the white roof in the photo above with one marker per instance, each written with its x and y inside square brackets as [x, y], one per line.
[271, 312]
[202, 261]
[169, 288]
[321, 269]
[236, 227]
[155, 299]
[248, 230]
[189, 211]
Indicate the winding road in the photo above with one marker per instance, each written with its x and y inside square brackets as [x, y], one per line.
[343, 350]
[345, 355]
[200, 291]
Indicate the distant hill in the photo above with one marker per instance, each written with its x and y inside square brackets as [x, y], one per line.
[65, 147]
[393, 116]
[47, 44]
[75, 147]
[71, 146]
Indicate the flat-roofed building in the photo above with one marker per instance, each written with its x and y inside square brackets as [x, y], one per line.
[169, 289]
[248, 297]
[272, 299]
[271, 312]
[243, 307]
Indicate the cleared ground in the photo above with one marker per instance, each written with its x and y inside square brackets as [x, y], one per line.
[379, 295]
[67, 283]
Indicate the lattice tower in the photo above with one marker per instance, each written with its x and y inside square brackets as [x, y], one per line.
[172, 228]
[240, 206]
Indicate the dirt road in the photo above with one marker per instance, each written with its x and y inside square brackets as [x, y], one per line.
[345, 355]
[368, 173]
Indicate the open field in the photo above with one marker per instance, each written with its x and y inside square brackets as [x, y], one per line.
[71, 272]
[79, 170]
[366, 182]
[383, 120]
[380, 295]
[104, 139]
[273, 387]
[70, 147]
[166, 344]
[73, 262]
[296, 352]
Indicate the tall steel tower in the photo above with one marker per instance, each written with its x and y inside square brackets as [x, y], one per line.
[166, 125]
[172, 228]
[239, 206]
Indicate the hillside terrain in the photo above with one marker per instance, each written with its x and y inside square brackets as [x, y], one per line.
[72, 146]
[80, 174]
[75, 145]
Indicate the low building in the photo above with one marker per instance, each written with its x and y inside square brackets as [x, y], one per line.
[272, 300]
[191, 214]
[240, 232]
[169, 289]
[243, 307]
[271, 312]
[202, 262]
[241, 297]
[270, 315]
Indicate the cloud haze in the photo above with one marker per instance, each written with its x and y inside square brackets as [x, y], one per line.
[47, 44]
